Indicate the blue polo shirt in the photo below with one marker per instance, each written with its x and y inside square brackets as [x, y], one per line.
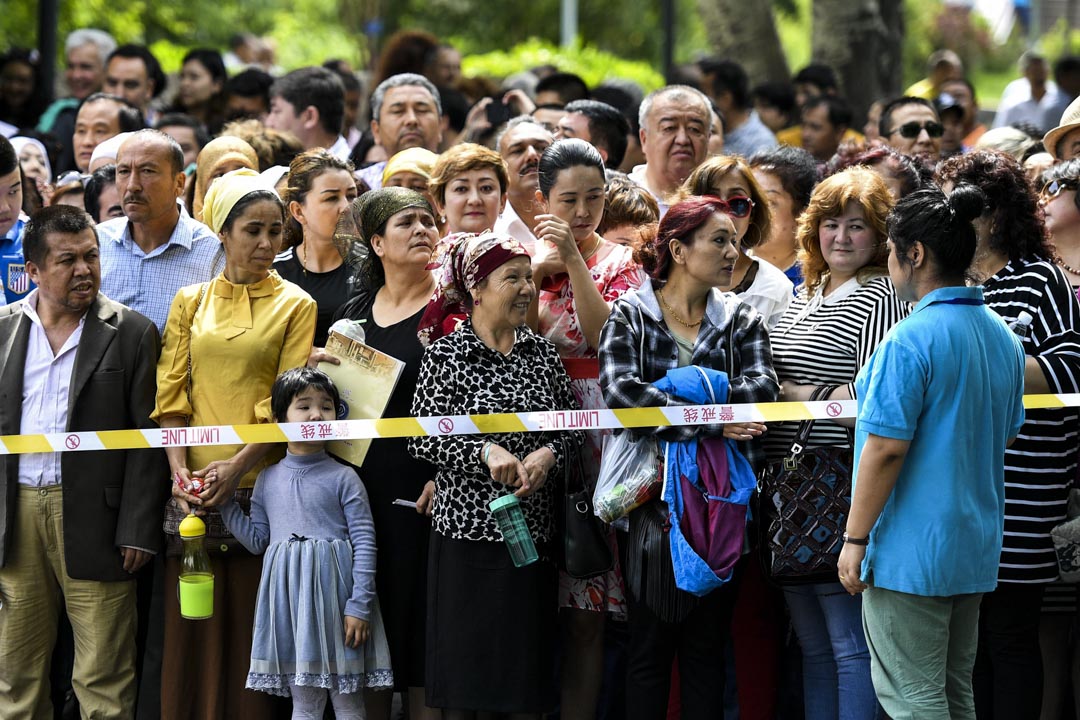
[950, 379]
[13, 278]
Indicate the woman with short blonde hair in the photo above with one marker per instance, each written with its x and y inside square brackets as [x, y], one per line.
[845, 307]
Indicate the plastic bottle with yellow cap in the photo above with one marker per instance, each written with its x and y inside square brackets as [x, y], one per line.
[196, 577]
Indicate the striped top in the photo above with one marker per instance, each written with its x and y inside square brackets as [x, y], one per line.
[825, 341]
[1041, 465]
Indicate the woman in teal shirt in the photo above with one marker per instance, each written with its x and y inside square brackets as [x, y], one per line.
[939, 401]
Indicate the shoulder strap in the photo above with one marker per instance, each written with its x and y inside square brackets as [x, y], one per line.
[802, 435]
[194, 310]
[731, 347]
[641, 344]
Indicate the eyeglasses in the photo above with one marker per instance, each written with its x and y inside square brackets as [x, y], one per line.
[71, 177]
[737, 206]
[911, 130]
[1055, 187]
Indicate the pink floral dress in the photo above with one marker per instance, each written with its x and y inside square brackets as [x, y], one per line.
[614, 273]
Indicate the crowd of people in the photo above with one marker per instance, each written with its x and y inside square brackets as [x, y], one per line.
[175, 253]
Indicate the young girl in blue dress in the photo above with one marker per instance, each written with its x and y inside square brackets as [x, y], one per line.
[318, 629]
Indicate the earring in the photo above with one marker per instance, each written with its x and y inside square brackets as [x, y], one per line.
[442, 219]
[476, 301]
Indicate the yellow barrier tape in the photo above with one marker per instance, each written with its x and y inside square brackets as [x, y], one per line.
[672, 416]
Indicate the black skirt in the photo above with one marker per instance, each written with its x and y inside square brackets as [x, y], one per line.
[491, 629]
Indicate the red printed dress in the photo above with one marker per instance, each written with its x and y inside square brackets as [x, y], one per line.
[614, 272]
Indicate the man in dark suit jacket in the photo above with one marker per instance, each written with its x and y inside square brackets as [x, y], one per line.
[74, 526]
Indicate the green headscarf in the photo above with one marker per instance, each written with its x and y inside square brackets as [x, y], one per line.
[366, 217]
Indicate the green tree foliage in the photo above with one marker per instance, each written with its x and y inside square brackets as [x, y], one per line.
[305, 31]
[308, 31]
[592, 65]
[628, 28]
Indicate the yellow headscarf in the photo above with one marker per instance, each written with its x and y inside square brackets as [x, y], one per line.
[217, 152]
[415, 160]
[227, 191]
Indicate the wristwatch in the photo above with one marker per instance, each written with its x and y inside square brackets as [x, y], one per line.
[854, 540]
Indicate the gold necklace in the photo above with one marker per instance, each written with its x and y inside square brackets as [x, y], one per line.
[596, 246]
[300, 255]
[674, 314]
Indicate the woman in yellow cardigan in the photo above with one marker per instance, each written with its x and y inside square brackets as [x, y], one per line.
[225, 341]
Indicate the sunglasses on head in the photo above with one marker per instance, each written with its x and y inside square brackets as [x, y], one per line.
[911, 130]
[1055, 187]
[737, 206]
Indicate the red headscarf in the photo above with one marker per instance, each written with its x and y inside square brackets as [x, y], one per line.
[468, 260]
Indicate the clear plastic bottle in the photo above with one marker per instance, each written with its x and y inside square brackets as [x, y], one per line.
[1022, 324]
[352, 329]
[196, 576]
[511, 521]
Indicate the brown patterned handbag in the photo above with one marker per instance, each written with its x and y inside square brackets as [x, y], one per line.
[803, 504]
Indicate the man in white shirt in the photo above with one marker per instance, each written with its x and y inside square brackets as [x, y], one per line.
[74, 527]
[310, 103]
[675, 124]
[1034, 98]
[521, 144]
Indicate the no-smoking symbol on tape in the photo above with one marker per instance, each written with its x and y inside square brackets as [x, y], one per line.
[446, 425]
[71, 442]
[833, 409]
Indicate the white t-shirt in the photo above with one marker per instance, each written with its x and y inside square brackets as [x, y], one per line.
[770, 293]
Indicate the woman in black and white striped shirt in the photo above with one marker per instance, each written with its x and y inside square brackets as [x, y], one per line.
[843, 310]
[1015, 263]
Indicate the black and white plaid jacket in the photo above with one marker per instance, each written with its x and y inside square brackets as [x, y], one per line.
[636, 349]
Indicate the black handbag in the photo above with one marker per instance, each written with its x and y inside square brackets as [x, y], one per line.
[586, 550]
[803, 504]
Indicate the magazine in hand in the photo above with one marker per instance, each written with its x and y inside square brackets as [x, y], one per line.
[365, 378]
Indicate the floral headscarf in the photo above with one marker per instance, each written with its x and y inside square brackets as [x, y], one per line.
[468, 259]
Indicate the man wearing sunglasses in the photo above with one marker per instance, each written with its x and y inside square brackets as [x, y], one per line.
[912, 126]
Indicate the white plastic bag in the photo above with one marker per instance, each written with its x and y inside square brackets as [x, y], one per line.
[630, 475]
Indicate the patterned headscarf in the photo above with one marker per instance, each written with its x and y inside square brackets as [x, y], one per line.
[378, 206]
[366, 217]
[468, 259]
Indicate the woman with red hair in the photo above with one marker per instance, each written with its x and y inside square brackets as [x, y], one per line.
[676, 319]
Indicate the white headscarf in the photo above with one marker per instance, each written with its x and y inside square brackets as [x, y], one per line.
[21, 141]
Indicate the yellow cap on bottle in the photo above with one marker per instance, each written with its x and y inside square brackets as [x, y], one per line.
[192, 526]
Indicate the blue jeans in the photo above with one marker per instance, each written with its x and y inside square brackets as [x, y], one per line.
[836, 661]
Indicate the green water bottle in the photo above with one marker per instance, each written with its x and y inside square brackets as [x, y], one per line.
[196, 577]
[515, 530]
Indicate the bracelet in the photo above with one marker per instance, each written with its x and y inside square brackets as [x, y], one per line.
[855, 541]
[486, 451]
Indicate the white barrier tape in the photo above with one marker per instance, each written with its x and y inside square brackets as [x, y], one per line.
[673, 416]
